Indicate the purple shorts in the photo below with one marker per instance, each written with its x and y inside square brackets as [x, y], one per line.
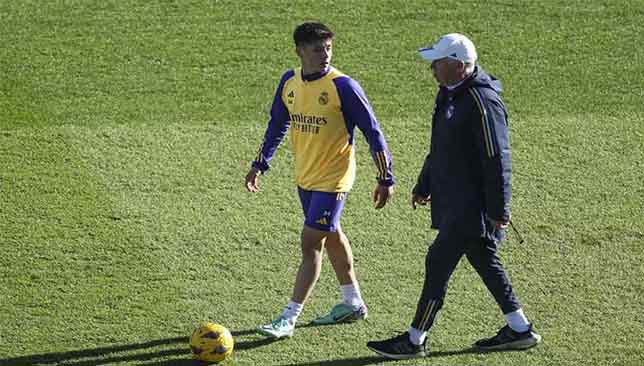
[322, 210]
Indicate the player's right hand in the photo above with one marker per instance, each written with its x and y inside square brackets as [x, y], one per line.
[382, 195]
[419, 200]
[252, 180]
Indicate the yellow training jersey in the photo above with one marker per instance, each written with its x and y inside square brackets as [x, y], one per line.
[322, 111]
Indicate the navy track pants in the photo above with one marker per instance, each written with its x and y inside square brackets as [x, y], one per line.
[441, 260]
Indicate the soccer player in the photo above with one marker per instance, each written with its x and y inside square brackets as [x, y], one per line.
[322, 107]
[467, 179]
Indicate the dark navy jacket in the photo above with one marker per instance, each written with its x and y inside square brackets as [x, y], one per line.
[468, 169]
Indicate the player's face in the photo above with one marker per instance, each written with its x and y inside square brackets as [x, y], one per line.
[315, 56]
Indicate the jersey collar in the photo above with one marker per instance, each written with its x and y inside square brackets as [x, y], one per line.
[315, 76]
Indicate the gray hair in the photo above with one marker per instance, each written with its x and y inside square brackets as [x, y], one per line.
[469, 67]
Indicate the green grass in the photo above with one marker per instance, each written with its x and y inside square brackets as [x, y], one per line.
[126, 128]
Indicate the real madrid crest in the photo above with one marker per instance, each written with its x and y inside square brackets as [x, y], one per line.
[324, 98]
[450, 111]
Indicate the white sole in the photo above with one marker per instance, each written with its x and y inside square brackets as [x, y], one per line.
[273, 335]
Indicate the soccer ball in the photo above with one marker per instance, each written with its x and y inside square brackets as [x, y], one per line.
[211, 343]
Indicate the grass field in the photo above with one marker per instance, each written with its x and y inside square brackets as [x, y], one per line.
[126, 128]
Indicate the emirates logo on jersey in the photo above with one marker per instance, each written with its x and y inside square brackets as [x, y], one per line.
[324, 98]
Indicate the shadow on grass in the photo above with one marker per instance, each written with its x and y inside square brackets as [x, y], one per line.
[370, 360]
[141, 352]
[181, 356]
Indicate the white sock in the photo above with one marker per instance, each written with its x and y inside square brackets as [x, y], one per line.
[292, 310]
[416, 336]
[351, 295]
[517, 321]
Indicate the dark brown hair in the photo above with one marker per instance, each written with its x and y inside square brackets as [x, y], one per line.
[311, 32]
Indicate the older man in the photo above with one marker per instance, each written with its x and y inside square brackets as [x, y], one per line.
[466, 179]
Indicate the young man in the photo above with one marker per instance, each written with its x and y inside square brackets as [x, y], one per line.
[322, 107]
[466, 178]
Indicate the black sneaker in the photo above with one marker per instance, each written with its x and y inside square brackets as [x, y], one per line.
[508, 339]
[398, 348]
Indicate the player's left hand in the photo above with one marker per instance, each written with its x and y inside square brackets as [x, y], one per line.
[382, 195]
[252, 180]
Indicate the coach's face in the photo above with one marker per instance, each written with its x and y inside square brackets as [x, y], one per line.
[448, 71]
[315, 56]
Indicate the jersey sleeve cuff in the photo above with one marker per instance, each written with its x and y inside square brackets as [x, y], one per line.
[388, 182]
[261, 166]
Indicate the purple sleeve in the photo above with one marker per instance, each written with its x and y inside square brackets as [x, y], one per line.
[358, 112]
[277, 127]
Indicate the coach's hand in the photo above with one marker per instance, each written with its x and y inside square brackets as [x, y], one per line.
[419, 200]
[501, 224]
[382, 195]
[252, 179]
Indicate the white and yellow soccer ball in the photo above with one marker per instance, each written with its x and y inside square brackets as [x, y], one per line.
[211, 342]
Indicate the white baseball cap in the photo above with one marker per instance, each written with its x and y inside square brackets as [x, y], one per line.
[454, 45]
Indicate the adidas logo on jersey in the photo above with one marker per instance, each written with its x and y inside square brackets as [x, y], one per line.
[322, 221]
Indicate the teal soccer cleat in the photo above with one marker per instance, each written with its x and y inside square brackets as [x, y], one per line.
[342, 313]
[278, 328]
